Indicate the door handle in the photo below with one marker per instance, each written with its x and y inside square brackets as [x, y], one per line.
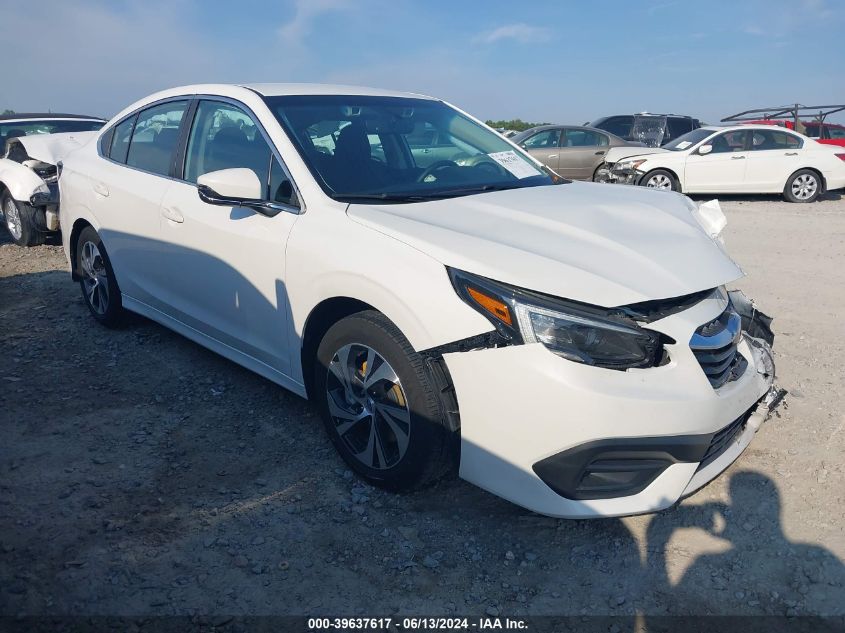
[791, 154]
[737, 157]
[600, 153]
[552, 155]
[101, 189]
[172, 214]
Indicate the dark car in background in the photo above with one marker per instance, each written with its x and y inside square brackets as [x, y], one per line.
[652, 130]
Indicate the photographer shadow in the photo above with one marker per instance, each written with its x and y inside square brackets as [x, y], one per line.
[761, 571]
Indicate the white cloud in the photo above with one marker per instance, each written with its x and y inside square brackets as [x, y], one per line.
[519, 32]
[295, 31]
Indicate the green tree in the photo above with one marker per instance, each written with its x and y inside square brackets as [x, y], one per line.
[7, 111]
[514, 124]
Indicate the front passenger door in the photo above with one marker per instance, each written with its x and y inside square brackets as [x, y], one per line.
[723, 169]
[226, 265]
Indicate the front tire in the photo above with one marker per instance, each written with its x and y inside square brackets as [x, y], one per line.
[96, 279]
[21, 222]
[804, 185]
[661, 180]
[378, 405]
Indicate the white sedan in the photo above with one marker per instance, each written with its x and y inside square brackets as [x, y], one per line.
[546, 338]
[741, 159]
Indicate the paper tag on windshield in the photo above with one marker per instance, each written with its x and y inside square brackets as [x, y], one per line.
[684, 144]
[514, 164]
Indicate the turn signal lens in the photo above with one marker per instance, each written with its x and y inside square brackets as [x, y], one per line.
[492, 305]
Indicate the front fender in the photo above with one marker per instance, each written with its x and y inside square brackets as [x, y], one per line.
[330, 257]
[20, 180]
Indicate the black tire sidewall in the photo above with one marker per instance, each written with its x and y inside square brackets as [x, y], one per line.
[30, 236]
[428, 436]
[787, 190]
[114, 311]
[653, 173]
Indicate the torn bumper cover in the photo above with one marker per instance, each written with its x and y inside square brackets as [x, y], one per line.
[571, 440]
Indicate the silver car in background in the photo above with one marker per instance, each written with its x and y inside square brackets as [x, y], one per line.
[571, 151]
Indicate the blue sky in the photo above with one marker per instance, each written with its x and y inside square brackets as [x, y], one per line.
[565, 62]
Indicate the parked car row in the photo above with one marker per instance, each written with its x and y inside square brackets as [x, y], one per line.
[447, 302]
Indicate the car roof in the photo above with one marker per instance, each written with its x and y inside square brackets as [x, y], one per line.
[45, 116]
[284, 89]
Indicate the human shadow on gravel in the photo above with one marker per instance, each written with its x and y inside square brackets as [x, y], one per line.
[761, 571]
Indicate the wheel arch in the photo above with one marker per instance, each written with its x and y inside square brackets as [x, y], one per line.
[322, 317]
[78, 226]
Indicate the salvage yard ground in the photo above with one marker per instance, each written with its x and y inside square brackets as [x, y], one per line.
[142, 474]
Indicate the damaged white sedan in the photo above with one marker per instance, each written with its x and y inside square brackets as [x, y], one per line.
[32, 145]
[568, 346]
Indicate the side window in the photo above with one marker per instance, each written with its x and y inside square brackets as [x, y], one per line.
[584, 138]
[281, 188]
[223, 137]
[619, 125]
[120, 140]
[835, 132]
[728, 142]
[155, 137]
[774, 139]
[678, 127]
[543, 140]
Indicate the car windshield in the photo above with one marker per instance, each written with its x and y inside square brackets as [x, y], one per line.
[35, 126]
[688, 140]
[397, 149]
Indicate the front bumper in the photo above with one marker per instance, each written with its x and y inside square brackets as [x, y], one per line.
[623, 176]
[521, 405]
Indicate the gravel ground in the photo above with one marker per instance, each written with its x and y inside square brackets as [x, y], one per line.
[141, 474]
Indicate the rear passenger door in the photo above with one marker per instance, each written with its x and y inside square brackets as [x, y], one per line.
[774, 156]
[581, 152]
[223, 268]
[128, 188]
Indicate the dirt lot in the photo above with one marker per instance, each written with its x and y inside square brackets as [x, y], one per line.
[141, 474]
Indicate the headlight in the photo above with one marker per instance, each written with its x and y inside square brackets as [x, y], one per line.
[578, 332]
[630, 164]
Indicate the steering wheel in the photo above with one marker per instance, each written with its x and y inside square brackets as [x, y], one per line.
[435, 167]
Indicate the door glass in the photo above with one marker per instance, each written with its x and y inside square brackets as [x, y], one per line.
[224, 137]
[546, 139]
[729, 142]
[120, 140]
[774, 139]
[281, 188]
[155, 137]
[584, 138]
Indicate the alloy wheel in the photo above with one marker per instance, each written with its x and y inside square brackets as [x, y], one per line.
[659, 181]
[13, 219]
[368, 406]
[95, 278]
[805, 186]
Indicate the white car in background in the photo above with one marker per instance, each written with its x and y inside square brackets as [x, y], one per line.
[741, 159]
[551, 339]
[30, 147]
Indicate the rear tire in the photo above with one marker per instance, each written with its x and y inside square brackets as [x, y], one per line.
[21, 222]
[804, 185]
[378, 405]
[661, 180]
[96, 279]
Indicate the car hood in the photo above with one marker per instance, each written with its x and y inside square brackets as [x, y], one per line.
[601, 244]
[51, 148]
[615, 154]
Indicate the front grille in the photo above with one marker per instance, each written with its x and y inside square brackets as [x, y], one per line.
[724, 438]
[714, 345]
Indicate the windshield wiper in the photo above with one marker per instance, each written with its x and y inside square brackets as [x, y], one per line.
[421, 197]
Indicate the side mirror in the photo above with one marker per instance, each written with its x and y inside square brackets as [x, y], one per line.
[236, 187]
[705, 149]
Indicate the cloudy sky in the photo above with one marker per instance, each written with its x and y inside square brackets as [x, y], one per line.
[565, 62]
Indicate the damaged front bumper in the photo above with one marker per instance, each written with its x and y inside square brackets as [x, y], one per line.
[570, 440]
[623, 176]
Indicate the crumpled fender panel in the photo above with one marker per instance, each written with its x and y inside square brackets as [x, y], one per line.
[20, 180]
